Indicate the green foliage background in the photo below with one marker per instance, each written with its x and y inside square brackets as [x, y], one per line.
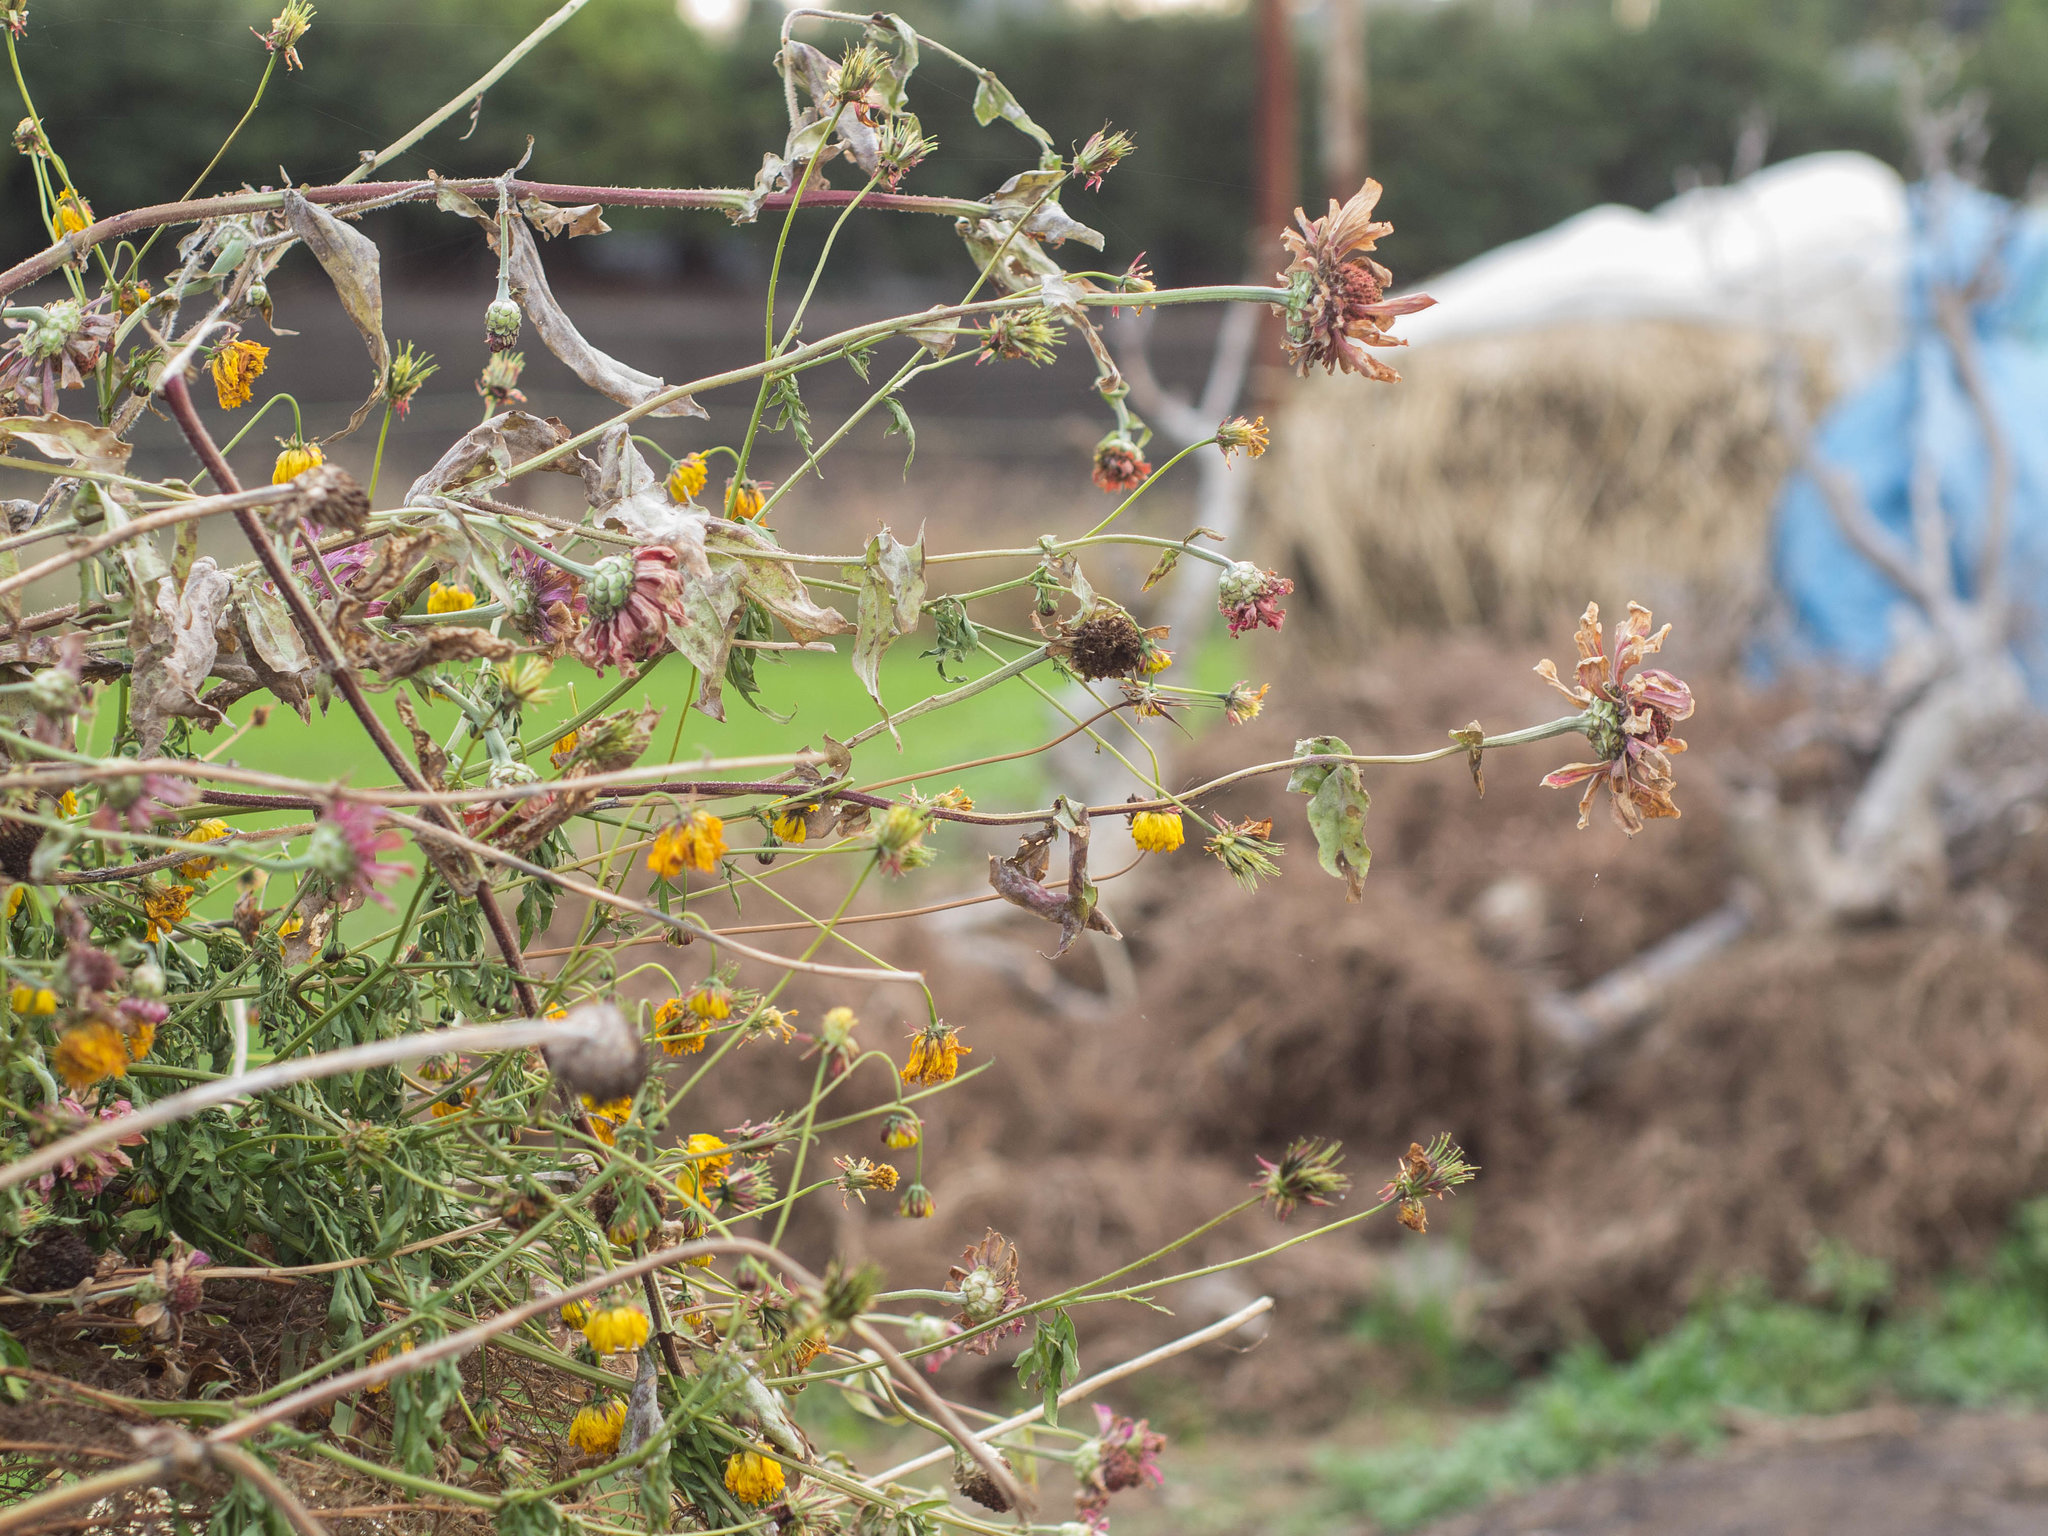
[1482, 131]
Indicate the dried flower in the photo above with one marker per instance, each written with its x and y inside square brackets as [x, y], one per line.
[58, 347]
[1306, 1173]
[986, 1279]
[1241, 705]
[199, 866]
[917, 1203]
[935, 1053]
[901, 1129]
[614, 1329]
[406, 376]
[294, 457]
[345, 847]
[90, 1172]
[686, 478]
[596, 1428]
[287, 28]
[632, 602]
[1628, 719]
[1249, 597]
[696, 842]
[1103, 152]
[1336, 301]
[1028, 335]
[1157, 831]
[1238, 435]
[1119, 466]
[754, 1477]
[1435, 1170]
[90, 1052]
[547, 602]
[499, 382]
[236, 367]
[979, 1484]
[1107, 644]
[1247, 850]
[1123, 1454]
[165, 906]
[857, 1176]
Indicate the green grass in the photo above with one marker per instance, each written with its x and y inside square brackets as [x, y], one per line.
[1981, 1341]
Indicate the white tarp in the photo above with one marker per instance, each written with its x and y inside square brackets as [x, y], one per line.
[1814, 246]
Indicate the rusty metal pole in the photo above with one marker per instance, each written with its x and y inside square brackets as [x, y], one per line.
[1276, 169]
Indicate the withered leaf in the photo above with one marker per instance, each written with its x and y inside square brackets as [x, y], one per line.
[584, 219]
[350, 260]
[433, 760]
[72, 442]
[174, 642]
[1019, 881]
[479, 459]
[397, 659]
[891, 598]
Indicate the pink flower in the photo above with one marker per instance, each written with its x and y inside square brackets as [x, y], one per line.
[546, 605]
[134, 803]
[345, 846]
[631, 605]
[1628, 720]
[89, 1172]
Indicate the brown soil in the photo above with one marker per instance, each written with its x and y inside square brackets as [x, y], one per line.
[1960, 1475]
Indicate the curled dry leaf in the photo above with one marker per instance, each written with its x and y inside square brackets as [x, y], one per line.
[72, 442]
[891, 598]
[480, 458]
[399, 659]
[350, 260]
[603, 373]
[174, 641]
[1019, 880]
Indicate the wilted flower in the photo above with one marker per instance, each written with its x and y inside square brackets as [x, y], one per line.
[286, 29]
[165, 906]
[406, 376]
[90, 1172]
[1306, 1173]
[499, 382]
[744, 499]
[1247, 850]
[90, 1052]
[986, 1279]
[899, 840]
[547, 601]
[1119, 466]
[632, 601]
[792, 823]
[678, 1030]
[857, 1176]
[294, 457]
[1157, 831]
[1103, 152]
[917, 1203]
[1249, 597]
[57, 347]
[136, 802]
[687, 476]
[696, 842]
[901, 1129]
[1026, 335]
[345, 846]
[935, 1053]
[1123, 1454]
[1242, 703]
[1240, 436]
[1336, 300]
[1106, 644]
[616, 1328]
[1435, 1170]
[1628, 720]
[236, 367]
[595, 1429]
[753, 1477]
[745, 1188]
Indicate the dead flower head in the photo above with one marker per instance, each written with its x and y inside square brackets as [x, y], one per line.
[986, 1279]
[1628, 716]
[1119, 465]
[1435, 1170]
[935, 1053]
[1336, 299]
[857, 1175]
[1307, 1174]
[1240, 436]
[631, 603]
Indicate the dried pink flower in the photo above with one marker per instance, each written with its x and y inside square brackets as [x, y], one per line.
[1337, 305]
[631, 605]
[1627, 718]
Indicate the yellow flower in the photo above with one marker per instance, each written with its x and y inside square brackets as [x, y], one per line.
[201, 865]
[568, 742]
[617, 1328]
[935, 1053]
[294, 459]
[289, 927]
[688, 477]
[606, 1118]
[1242, 703]
[711, 1000]
[679, 1029]
[165, 905]
[141, 1040]
[743, 500]
[1157, 659]
[38, 1001]
[1157, 831]
[15, 897]
[577, 1313]
[596, 1428]
[442, 599]
[753, 1478]
[73, 213]
[791, 825]
[382, 1353]
[89, 1052]
[131, 297]
[697, 842]
[708, 1160]
[67, 803]
[902, 1129]
[236, 367]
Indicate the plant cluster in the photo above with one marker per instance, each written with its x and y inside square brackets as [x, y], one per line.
[554, 1294]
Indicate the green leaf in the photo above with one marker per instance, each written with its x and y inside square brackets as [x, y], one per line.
[900, 422]
[790, 410]
[1337, 808]
[898, 39]
[1052, 1361]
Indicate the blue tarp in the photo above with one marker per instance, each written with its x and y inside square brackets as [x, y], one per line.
[1845, 608]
